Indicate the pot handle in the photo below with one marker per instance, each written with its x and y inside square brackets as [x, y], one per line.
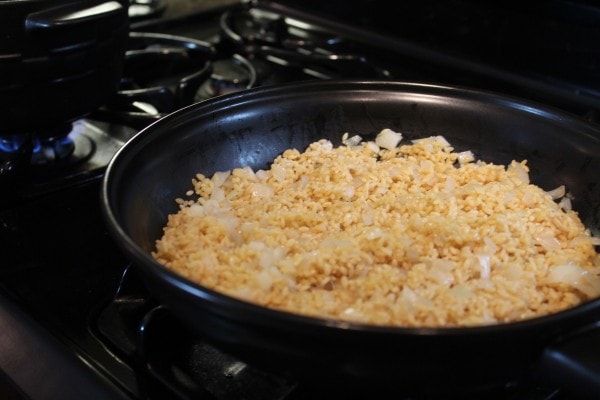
[573, 363]
[72, 14]
[77, 22]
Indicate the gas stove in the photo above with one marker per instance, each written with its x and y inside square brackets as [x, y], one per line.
[77, 321]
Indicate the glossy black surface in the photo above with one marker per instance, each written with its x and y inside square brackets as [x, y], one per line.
[551, 41]
[251, 128]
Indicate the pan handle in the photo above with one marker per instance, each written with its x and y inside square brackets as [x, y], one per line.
[573, 363]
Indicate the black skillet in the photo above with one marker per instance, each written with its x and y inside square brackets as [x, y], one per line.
[251, 128]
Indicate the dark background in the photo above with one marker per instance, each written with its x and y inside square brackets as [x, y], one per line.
[553, 39]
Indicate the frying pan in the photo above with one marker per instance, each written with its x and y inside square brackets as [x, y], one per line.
[252, 127]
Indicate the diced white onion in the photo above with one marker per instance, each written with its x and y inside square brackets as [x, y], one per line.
[228, 221]
[261, 190]
[433, 139]
[490, 245]
[348, 192]
[270, 256]
[374, 233]
[262, 174]
[196, 210]
[278, 172]
[245, 172]
[484, 266]
[388, 139]
[440, 270]
[373, 146]
[461, 292]
[548, 242]
[465, 157]
[326, 144]
[557, 193]
[220, 177]
[352, 141]
[264, 280]
[565, 204]
[577, 277]
[218, 194]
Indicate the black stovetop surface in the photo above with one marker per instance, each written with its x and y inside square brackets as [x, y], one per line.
[77, 322]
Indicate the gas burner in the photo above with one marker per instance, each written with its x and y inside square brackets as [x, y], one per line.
[231, 75]
[54, 149]
[292, 44]
[33, 165]
[162, 74]
[141, 9]
[253, 26]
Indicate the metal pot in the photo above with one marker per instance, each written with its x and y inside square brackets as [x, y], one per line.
[251, 128]
[59, 60]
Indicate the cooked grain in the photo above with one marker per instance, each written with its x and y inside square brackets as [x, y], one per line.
[418, 235]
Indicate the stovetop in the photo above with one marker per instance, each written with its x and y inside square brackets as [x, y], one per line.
[77, 321]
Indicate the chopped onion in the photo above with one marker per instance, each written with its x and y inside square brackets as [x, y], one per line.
[465, 157]
[352, 141]
[245, 172]
[548, 242]
[196, 210]
[373, 147]
[262, 190]
[211, 207]
[565, 204]
[256, 245]
[264, 280]
[229, 221]
[303, 181]
[484, 266]
[433, 139]
[374, 233]
[218, 194]
[348, 192]
[557, 193]
[325, 144]
[441, 271]
[461, 292]
[576, 276]
[278, 172]
[388, 139]
[262, 175]
[395, 171]
[220, 177]
[490, 245]
[270, 256]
